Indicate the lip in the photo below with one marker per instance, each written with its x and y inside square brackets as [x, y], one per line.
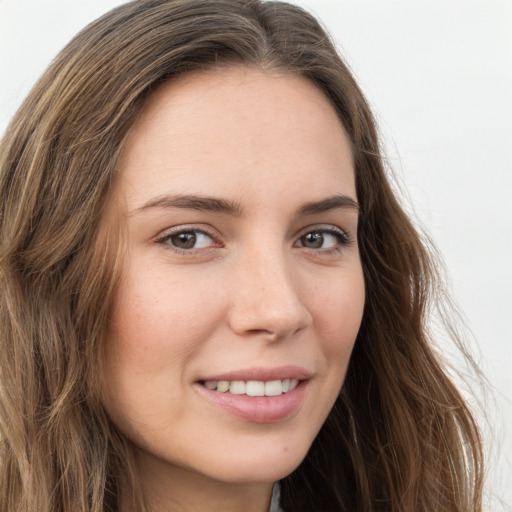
[264, 409]
[258, 409]
[261, 373]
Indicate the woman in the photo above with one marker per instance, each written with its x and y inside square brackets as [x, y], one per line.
[208, 285]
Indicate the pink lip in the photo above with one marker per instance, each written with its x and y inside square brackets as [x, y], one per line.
[264, 374]
[260, 409]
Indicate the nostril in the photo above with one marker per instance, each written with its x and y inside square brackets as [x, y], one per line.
[264, 333]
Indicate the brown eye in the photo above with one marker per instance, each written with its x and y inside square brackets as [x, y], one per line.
[329, 238]
[312, 240]
[188, 239]
[184, 240]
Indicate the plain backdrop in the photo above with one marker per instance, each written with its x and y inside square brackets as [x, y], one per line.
[438, 74]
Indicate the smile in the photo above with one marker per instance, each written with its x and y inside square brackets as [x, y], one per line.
[258, 395]
[252, 387]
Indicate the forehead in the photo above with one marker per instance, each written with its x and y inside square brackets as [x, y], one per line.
[237, 127]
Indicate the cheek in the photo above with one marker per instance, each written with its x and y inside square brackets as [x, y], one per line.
[157, 326]
[338, 312]
[337, 309]
[157, 319]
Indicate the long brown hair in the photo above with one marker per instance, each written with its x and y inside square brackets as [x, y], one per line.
[399, 438]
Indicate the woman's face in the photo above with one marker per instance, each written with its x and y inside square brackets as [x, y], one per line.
[242, 270]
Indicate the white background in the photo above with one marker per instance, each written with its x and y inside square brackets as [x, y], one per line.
[439, 76]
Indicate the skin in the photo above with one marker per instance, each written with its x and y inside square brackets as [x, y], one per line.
[255, 290]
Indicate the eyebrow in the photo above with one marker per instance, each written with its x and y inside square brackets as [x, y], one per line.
[195, 202]
[330, 203]
[219, 205]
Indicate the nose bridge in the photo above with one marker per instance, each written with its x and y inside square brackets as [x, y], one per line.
[266, 294]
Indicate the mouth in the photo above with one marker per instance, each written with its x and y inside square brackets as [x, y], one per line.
[258, 395]
[252, 387]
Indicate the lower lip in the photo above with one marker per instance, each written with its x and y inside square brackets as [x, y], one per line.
[258, 409]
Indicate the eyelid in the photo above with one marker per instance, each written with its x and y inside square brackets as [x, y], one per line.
[344, 237]
[326, 228]
[162, 237]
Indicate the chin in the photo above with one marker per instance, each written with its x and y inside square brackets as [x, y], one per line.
[260, 464]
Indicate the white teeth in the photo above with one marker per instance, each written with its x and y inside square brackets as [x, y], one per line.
[253, 387]
[222, 386]
[237, 387]
[273, 388]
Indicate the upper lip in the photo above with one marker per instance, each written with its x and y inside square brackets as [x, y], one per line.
[262, 374]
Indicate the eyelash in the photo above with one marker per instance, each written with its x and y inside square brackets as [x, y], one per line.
[342, 238]
[165, 237]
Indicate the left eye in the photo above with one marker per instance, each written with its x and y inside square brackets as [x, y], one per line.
[190, 239]
[323, 239]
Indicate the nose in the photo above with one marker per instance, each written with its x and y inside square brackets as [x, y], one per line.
[267, 298]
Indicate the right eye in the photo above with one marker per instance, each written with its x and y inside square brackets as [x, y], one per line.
[187, 239]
